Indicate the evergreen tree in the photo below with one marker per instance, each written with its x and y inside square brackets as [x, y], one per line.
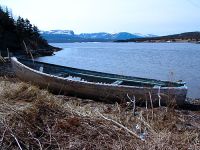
[7, 32]
[13, 34]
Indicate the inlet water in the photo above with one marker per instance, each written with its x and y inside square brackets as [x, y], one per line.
[164, 61]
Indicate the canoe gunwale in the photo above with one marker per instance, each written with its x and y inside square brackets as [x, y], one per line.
[184, 87]
[102, 73]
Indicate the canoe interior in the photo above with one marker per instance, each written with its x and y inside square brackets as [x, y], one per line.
[97, 77]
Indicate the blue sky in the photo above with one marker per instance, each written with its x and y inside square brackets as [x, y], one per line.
[159, 17]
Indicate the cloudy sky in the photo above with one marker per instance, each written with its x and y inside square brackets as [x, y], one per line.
[159, 17]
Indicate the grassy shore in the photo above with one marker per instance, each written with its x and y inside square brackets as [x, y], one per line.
[31, 118]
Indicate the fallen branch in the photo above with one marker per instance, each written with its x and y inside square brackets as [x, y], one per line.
[120, 125]
[17, 141]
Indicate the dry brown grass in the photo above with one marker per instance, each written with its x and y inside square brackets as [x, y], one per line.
[31, 118]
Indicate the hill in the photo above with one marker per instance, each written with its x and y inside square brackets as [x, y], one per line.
[19, 35]
[63, 36]
[183, 37]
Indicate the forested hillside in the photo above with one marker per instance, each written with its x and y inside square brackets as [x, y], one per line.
[20, 35]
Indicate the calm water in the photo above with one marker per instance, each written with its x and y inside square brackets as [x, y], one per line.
[166, 61]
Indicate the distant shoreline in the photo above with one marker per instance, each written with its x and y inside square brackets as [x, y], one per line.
[122, 41]
[159, 42]
[54, 36]
[189, 37]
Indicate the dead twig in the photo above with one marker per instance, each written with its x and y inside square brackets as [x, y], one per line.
[28, 51]
[132, 101]
[151, 103]
[35, 139]
[3, 137]
[159, 97]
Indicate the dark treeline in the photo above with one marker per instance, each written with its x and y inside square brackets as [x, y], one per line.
[19, 35]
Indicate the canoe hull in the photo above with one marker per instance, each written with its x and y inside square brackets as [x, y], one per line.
[104, 92]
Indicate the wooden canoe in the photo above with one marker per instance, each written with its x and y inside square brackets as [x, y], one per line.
[97, 85]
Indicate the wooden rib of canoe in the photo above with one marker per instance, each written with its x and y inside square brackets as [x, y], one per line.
[97, 85]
